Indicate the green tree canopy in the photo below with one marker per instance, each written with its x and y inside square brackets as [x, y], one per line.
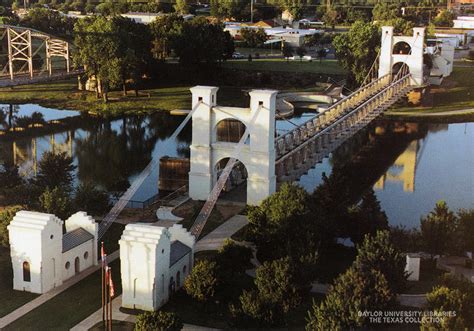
[202, 282]
[6, 216]
[55, 170]
[253, 37]
[378, 253]
[56, 201]
[165, 29]
[91, 199]
[353, 292]
[357, 50]
[437, 230]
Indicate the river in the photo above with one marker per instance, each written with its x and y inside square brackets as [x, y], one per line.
[409, 165]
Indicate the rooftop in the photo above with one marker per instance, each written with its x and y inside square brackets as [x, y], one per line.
[178, 251]
[75, 238]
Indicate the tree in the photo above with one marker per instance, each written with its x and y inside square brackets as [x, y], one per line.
[321, 54]
[287, 51]
[55, 170]
[452, 295]
[357, 49]
[253, 37]
[444, 18]
[9, 177]
[465, 230]
[378, 253]
[133, 52]
[202, 282]
[55, 201]
[158, 320]
[330, 17]
[301, 51]
[366, 218]
[49, 21]
[437, 229]
[95, 36]
[353, 292]
[6, 216]
[91, 199]
[200, 41]
[384, 11]
[280, 288]
[165, 29]
[181, 6]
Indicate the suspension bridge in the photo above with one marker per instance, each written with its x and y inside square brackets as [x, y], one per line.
[29, 56]
[288, 156]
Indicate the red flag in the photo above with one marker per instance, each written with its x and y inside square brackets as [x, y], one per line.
[111, 283]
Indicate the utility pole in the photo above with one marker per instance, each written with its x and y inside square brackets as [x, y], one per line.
[251, 11]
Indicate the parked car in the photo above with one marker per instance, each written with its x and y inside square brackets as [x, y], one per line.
[237, 55]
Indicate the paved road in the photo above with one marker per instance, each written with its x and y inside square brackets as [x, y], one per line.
[35, 303]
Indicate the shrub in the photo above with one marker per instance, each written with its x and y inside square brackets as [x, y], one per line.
[162, 321]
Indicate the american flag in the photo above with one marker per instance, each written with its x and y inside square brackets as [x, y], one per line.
[103, 256]
[111, 283]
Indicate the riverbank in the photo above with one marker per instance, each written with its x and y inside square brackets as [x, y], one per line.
[451, 102]
[64, 95]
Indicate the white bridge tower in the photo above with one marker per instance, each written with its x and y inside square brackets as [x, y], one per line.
[207, 149]
[398, 50]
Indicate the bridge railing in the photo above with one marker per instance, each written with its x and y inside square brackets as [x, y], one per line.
[310, 127]
[382, 96]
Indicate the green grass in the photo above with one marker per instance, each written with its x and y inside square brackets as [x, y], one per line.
[281, 65]
[69, 307]
[10, 299]
[455, 94]
[64, 95]
[215, 219]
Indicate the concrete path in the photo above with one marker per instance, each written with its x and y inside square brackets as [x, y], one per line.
[35, 303]
[96, 317]
[216, 239]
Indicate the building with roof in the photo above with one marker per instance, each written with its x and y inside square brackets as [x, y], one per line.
[43, 257]
[154, 263]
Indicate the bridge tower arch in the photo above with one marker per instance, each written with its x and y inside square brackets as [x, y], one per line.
[402, 49]
[257, 154]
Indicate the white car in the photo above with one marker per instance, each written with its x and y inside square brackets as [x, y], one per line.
[237, 55]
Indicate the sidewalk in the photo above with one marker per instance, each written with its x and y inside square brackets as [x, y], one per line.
[217, 238]
[33, 304]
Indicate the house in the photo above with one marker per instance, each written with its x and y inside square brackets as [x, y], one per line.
[42, 256]
[154, 263]
[464, 22]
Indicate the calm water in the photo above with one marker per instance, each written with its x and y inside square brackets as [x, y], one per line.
[410, 166]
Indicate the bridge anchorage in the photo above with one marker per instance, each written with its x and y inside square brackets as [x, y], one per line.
[24, 46]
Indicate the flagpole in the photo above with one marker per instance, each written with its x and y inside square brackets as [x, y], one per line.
[110, 297]
[106, 301]
[103, 282]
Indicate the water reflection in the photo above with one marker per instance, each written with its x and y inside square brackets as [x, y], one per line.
[109, 153]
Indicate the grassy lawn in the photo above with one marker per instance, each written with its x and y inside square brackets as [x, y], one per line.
[64, 95]
[10, 299]
[281, 65]
[70, 307]
[455, 94]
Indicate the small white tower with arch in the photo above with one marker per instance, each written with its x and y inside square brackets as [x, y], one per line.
[397, 50]
[208, 151]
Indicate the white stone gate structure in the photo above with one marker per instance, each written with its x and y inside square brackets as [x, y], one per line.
[257, 155]
[398, 50]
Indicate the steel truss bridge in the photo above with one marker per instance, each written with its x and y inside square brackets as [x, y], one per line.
[23, 45]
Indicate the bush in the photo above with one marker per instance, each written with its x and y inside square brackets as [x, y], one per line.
[91, 199]
[202, 282]
[162, 321]
[6, 217]
[56, 201]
